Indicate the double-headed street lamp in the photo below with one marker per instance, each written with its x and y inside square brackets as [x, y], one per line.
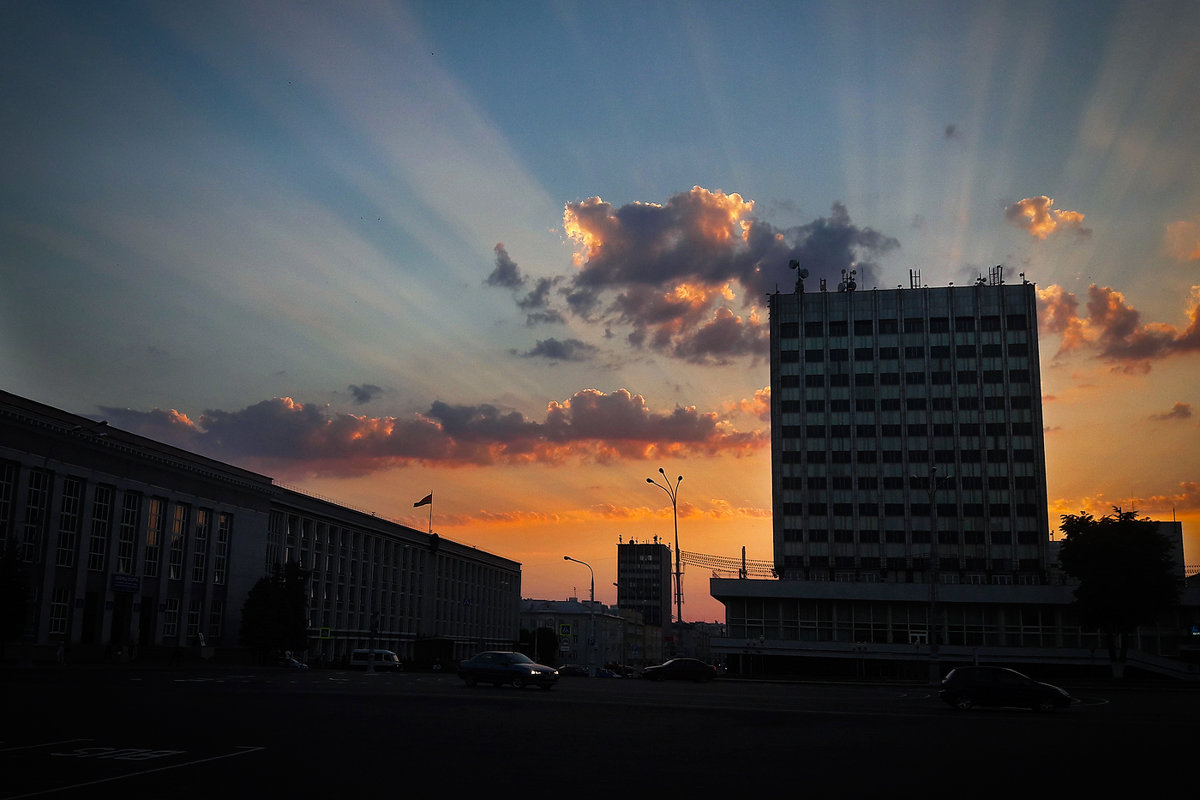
[673, 493]
[591, 616]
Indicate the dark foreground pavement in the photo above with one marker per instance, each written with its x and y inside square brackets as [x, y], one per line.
[203, 733]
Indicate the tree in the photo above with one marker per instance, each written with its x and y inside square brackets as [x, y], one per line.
[274, 617]
[1126, 575]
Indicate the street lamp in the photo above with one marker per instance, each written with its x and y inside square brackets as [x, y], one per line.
[934, 673]
[673, 493]
[591, 616]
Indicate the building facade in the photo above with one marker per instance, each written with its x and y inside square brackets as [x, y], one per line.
[909, 492]
[618, 636]
[907, 423]
[644, 581]
[130, 547]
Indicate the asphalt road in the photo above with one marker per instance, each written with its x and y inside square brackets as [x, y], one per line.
[203, 733]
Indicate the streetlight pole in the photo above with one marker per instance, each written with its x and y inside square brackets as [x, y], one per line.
[673, 493]
[591, 617]
[934, 673]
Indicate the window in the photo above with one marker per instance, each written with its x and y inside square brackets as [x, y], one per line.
[68, 521]
[216, 617]
[838, 328]
[127, 532]
[939, 324]
[102, 518]
[200, 544]
[178, 532]
[813, 329]
[221, 553]
[789, 330]
[37, 506]
[195, 611]
[914, 325]
[170, 619]
[814, 356]
[863, 327]
[60, 603]
[888, 326]
[154, 535]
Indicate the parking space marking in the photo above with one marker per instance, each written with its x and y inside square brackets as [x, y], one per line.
[126, 754]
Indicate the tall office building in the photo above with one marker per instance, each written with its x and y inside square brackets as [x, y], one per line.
[909, 486]
[644, 581]
[907, 423]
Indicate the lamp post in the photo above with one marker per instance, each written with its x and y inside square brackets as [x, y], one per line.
[591, 616]
[673, 493]
[934, 672]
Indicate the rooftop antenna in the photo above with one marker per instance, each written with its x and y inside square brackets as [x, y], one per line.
[996, 275]
[914, 279]
[801, 274]
[848, 283]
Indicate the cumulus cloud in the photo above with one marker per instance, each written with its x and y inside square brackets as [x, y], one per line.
[289, 437]
[1114, 329]
[561, 350]
[672, 273]
[1178, 411]
[1038, 216]
[506, 273]
[365, 393]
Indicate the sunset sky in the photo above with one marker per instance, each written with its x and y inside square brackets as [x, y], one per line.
[516, 253]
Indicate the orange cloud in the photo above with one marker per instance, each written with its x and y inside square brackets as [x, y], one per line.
[590, 426]
[1038, 216]
[758, 406]
[1114, 328]
[1155, 506]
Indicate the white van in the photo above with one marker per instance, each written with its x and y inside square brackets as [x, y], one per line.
[383, 659]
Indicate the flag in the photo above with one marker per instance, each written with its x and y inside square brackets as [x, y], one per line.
[424, 501]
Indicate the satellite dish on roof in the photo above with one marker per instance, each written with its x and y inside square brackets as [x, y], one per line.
[801, 275]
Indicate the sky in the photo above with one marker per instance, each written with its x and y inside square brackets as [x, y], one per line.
[516, 254]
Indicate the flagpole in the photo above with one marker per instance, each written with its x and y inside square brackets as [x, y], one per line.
[431, 512]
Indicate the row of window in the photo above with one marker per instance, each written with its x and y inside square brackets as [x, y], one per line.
[936, 352]
[60, 609]
[950, 565]
[968, 377]
[944, 510]
[948, 538]
[820, 455]
[903, 483]
[871, 405]
[102, 528]
[911, 429]
[869, 327]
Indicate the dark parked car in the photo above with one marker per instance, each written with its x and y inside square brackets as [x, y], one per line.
[967, 687]
[573, 671]
[498, 667]
[681, 669]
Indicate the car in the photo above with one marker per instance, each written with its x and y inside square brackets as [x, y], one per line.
[499, 667]
[289, 662]
[573, 671]
[681, 669]
[967, 687]
[381, 660]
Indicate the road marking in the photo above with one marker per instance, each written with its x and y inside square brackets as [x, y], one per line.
[245, 750]
[43, 744]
